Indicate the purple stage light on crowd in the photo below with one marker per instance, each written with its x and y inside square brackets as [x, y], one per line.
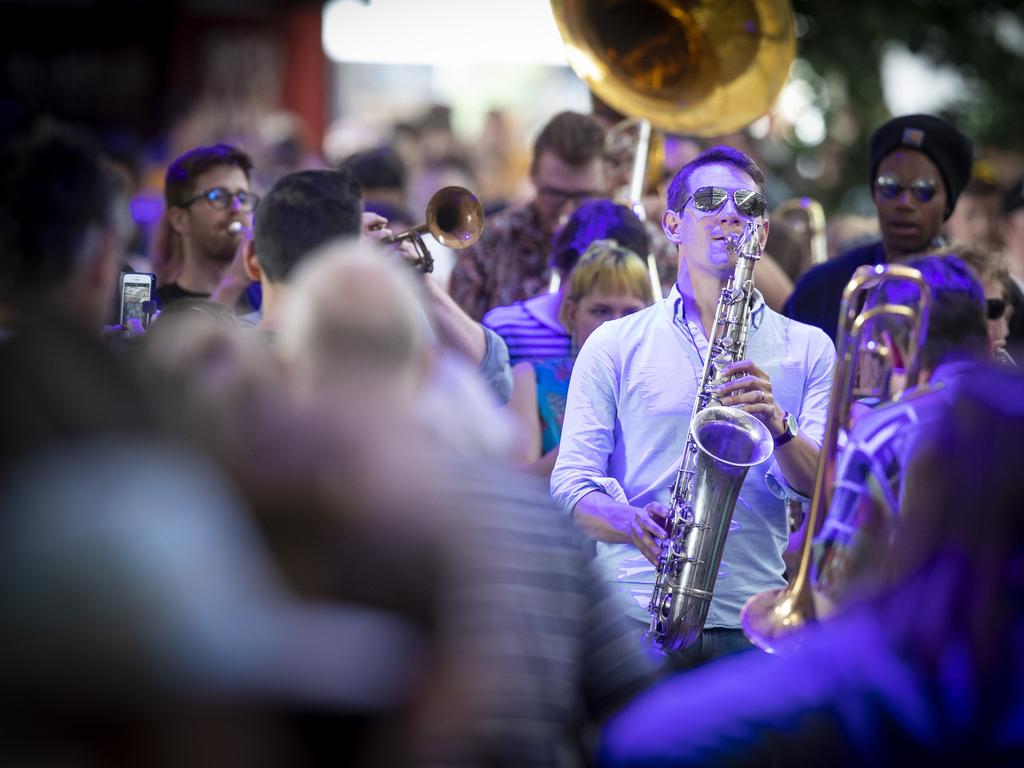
[146, 209]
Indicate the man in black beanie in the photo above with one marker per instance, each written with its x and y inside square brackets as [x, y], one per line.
[919, 166]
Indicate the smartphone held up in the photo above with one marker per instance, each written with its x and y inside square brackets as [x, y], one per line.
[136, 291]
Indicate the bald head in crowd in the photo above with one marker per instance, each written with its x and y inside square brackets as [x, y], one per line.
[351, 328]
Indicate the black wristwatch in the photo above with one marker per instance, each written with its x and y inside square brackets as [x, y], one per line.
[789, 420]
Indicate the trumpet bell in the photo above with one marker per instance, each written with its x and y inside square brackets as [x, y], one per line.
[455, 217]
[697, 67]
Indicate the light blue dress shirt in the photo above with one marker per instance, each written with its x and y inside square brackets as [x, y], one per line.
[626, 421]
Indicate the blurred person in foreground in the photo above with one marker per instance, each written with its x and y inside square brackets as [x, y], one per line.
[929, 670]
[528, 648]
[533, 328]
[510, 261]
[919, 165]
[608, 283]
[63, 228]
[144, 623]
[64, 222]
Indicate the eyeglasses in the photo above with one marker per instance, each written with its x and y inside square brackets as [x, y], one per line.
[559, 197]
[995, 308]
[220, 198]
[889, 187]
[711, 199]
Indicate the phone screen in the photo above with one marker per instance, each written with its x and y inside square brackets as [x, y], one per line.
[136, 289]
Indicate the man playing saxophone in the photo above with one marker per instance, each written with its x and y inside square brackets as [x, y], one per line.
[633, 390]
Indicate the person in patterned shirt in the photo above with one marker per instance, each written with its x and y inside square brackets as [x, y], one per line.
[510, 261]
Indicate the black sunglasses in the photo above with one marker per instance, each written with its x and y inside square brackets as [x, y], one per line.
[711, 199]
[220, 198]
[994, 308]
[889, 187]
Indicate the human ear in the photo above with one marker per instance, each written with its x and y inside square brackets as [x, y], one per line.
[670, 224]
[178, 219]
[250, 263]
[568, 314]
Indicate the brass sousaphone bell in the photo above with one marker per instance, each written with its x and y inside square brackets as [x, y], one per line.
[454, 217]
[693, 67]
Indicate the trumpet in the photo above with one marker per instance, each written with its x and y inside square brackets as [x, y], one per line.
[454, 217]
[769, 616]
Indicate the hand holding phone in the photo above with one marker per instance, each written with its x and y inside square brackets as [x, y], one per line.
[136, 291]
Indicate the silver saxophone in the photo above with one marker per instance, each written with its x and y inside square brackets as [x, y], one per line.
[722, 444]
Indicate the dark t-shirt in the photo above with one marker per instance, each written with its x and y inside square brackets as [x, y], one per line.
[817, 295]
[168, 294]
[249, 301]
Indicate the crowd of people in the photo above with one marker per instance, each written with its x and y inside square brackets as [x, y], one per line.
[321, 506]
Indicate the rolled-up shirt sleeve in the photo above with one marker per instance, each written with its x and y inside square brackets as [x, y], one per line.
[588, 430]
[813, 414]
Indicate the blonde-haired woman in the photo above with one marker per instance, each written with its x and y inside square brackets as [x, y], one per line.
[608, 283]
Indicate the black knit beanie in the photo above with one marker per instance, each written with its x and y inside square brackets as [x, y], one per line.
[944, 145]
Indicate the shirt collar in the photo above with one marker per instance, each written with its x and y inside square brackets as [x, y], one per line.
[676, 307]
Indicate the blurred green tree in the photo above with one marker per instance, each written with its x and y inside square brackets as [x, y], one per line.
[841, 50]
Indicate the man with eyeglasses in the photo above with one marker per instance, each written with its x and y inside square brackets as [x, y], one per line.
[510, 261]
[632, 393]
[919, 166]
[210, 203]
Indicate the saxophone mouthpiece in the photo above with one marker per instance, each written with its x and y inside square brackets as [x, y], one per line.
[749, 243]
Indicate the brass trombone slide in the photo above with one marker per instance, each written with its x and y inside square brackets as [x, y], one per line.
[769, 616]
[621, 141]
[814, 224]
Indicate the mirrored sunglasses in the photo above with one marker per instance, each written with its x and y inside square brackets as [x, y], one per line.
[711, 199]
[889, 187]
[220, 198]
[995, 308]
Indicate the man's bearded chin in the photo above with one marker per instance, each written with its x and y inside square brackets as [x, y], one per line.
[222, 250]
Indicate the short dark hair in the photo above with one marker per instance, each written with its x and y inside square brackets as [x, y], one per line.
[717, 155]
[56, 188]
[957, 329]
[182, 173]
[575, 139]
[597, 220]
[379, 168]
[303, 211]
